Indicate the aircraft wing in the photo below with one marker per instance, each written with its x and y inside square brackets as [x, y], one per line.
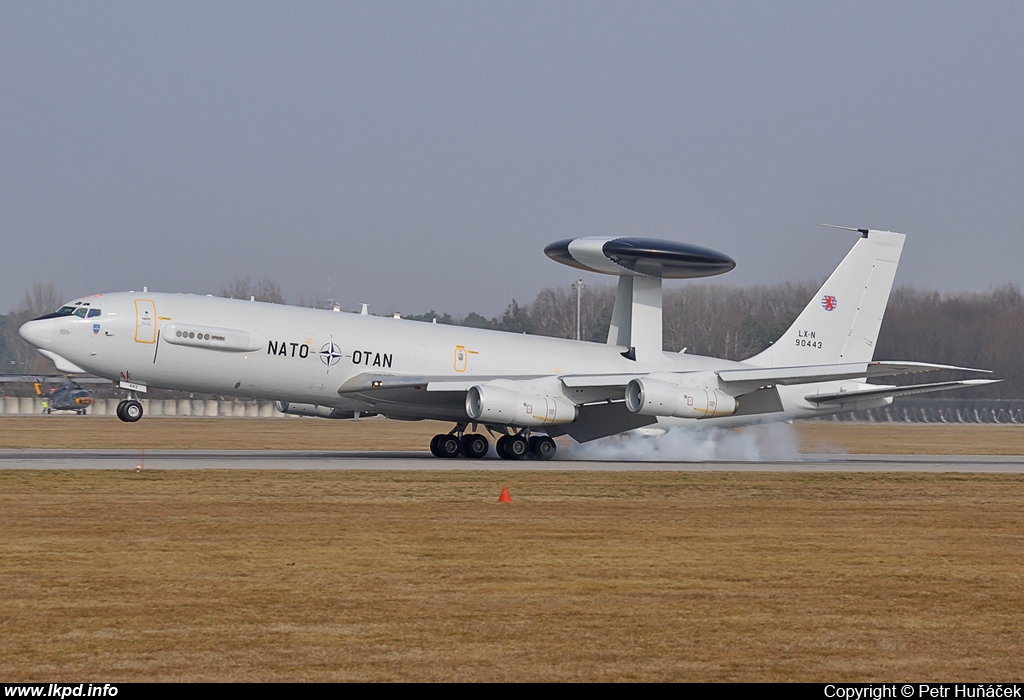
[408, 396]
[848, 396]
[742, 381]
[601, 400]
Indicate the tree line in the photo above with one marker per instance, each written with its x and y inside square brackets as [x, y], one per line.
[983, 329]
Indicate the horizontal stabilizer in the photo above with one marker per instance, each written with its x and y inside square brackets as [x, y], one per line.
[743, 380]
[848, 396]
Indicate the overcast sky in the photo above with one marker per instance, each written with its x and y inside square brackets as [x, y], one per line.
[420, 155]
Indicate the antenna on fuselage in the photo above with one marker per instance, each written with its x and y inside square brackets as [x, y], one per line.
[640, 264]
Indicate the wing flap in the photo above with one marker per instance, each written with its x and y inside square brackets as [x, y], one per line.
[585, 381]
[601, 420]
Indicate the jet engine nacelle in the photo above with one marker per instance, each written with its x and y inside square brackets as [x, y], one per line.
[500, 406]
[308, 409]
[654, 397]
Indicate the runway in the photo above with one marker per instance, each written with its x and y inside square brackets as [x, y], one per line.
[423, 461]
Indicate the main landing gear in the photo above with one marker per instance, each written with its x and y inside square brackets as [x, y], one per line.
[522, 445]
[129, 410]
[451, 445]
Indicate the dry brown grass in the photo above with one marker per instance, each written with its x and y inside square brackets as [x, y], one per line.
[76, 432]
[224, 575]
[910, 438]
[73, 432]
[227, 575]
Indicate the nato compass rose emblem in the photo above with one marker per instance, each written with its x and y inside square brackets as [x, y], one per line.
[829, 303]
[330, 354]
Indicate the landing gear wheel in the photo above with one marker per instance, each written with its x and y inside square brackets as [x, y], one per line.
[500, 446]
[129, 411]
[449, 446]
[434, 441]
[542, 447]
[516, 447]
[474, 446]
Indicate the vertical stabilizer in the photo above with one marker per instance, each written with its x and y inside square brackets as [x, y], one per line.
[841, 323]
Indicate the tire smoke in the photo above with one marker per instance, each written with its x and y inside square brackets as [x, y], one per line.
[774, 442]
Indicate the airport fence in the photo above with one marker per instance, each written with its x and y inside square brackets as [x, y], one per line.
[194, 408]
[991, 411]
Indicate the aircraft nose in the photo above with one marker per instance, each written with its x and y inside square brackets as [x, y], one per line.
[38, 333]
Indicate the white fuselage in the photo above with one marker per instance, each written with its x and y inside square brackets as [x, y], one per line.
[311, 356]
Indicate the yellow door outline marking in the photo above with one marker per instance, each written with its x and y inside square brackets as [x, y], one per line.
[462, 358]
[138, 320]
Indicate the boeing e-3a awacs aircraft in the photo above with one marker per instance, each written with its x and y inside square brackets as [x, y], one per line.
[526, 388]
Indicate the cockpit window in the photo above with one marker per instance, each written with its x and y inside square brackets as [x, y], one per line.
[78, 308]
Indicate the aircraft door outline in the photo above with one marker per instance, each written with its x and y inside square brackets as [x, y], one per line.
[462, 357]
[145, 321]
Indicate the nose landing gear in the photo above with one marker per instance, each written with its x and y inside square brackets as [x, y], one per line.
[129, 410]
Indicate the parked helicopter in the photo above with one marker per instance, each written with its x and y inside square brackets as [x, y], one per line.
[69, 396]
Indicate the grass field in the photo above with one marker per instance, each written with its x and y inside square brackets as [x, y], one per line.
[345, 575]
[218, 575]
